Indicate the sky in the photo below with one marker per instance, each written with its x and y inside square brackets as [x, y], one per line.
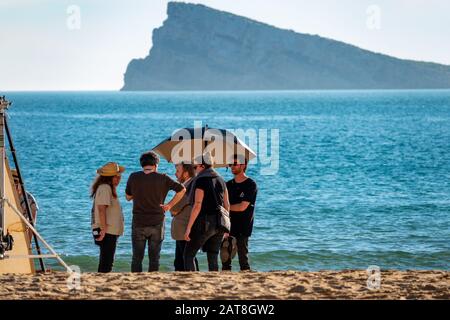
[87, 44]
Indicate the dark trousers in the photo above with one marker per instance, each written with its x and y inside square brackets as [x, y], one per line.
[204, 234]
[180, 245]
[154, 235]
[242, 250]
[107, 252]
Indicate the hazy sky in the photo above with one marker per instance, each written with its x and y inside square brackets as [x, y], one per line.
[43, 47]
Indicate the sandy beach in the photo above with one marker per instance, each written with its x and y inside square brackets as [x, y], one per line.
[248, 285]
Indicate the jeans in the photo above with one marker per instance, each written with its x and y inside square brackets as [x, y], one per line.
[107, 252]
[154, 235]
[180, 245]
[204, 234]
[242, 250]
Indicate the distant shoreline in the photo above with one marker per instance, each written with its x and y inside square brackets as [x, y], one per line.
[5, 92]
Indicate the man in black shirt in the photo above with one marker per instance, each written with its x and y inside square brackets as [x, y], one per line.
[242, 192]
[148, 190]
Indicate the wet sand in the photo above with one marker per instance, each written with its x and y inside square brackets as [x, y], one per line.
[248, 285]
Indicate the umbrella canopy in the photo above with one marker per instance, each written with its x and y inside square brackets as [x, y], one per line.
[189, 143]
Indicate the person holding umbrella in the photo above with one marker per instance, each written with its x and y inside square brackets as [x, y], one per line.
[207, 189]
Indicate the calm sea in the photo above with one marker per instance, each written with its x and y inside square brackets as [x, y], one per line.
[363, 176]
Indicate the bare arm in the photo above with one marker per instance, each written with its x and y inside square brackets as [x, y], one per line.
[240, 207]
[199, 194]
[226, 201]
[176, 198]
[102, 216]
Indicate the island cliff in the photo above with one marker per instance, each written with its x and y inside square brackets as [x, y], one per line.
[199, 48]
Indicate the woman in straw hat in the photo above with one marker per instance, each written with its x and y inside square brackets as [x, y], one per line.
[107, 217]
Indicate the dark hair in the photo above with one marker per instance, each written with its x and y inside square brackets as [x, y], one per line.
[205, 164]
[103, 180]
[189, 168]
[149, 159]
[241, 158]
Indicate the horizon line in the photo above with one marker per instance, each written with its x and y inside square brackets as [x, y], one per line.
[2, 92]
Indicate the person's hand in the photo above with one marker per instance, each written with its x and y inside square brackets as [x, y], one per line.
[186, 235]
[102, 235]
[165, 207]
[226, 235]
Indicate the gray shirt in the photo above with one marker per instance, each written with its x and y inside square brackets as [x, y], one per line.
[181, 220]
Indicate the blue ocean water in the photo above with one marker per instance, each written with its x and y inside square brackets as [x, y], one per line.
[363, 179]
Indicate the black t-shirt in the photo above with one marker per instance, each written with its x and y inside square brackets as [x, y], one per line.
[242, 222]
[149, 191]
[209, 204]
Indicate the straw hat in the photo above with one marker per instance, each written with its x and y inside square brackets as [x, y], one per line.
[110, 169]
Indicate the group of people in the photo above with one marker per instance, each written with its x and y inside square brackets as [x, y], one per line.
[199, 192]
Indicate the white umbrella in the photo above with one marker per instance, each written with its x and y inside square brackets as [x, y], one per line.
[187, 144]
